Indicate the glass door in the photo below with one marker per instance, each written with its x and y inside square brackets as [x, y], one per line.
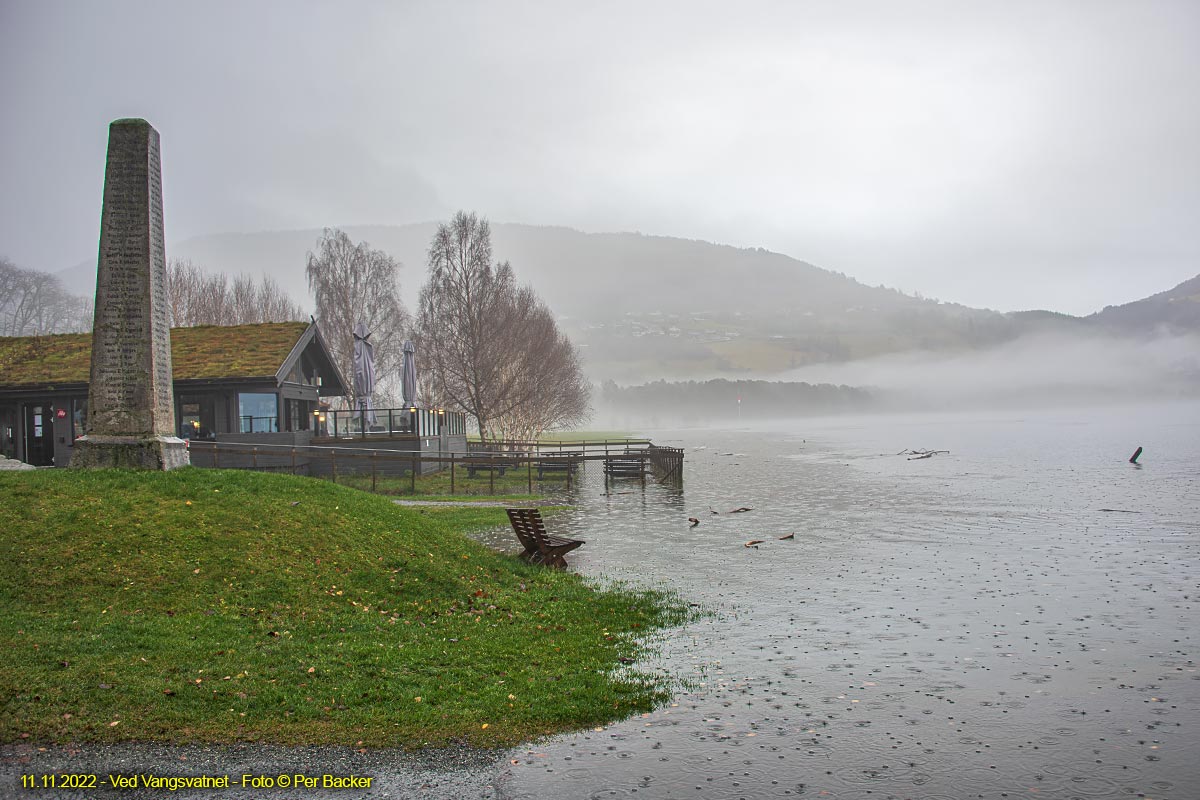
[39, 435]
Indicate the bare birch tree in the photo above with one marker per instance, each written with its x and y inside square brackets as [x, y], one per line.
[492, 348]
[242, 298]
[195, 297]
[181, 288]
[35, 303]
[352, 283]
[274, 304]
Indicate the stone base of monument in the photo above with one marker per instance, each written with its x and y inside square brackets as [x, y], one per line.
[130, 452]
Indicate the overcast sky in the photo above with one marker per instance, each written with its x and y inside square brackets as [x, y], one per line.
[1001, 154]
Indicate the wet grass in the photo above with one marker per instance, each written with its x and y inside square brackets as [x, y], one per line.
[218, 606]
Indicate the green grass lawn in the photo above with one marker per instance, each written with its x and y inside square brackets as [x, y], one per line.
[218, 605]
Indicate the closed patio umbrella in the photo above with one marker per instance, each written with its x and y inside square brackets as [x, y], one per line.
[364, 375]
[408, 376]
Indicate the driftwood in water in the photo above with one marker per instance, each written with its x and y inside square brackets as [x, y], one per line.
[1136, 455]
[916, 454]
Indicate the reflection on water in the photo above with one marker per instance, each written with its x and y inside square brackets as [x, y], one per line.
[969, 625]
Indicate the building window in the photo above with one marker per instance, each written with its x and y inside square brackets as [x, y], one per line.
[297, 415]
[258, 412]
[197, 416]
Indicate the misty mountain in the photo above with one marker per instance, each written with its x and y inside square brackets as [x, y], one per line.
[1175, 310]
[645, 307]
[590, 275]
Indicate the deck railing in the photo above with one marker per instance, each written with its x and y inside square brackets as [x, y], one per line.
[249, 424]
[411, 421]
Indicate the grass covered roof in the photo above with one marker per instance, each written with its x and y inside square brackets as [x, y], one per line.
[202, 352]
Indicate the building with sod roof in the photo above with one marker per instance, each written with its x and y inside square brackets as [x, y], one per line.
[265, 383]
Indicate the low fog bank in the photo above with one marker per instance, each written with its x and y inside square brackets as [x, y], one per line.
[1042, 370]
[1037, 370]
[720, 400]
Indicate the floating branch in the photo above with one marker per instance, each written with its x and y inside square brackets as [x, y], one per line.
[915, 454]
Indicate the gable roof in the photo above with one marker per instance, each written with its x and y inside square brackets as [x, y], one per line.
[202, 352]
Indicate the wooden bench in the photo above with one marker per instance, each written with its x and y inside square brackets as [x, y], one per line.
[630, 465]
[482, 463]
[559, 463]
[540, 547]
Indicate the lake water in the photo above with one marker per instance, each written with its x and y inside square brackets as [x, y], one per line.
[974, 624]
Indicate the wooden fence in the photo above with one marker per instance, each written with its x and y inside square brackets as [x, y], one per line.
[506, 463]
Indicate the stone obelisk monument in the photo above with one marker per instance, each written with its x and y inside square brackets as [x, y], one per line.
[131, 404]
